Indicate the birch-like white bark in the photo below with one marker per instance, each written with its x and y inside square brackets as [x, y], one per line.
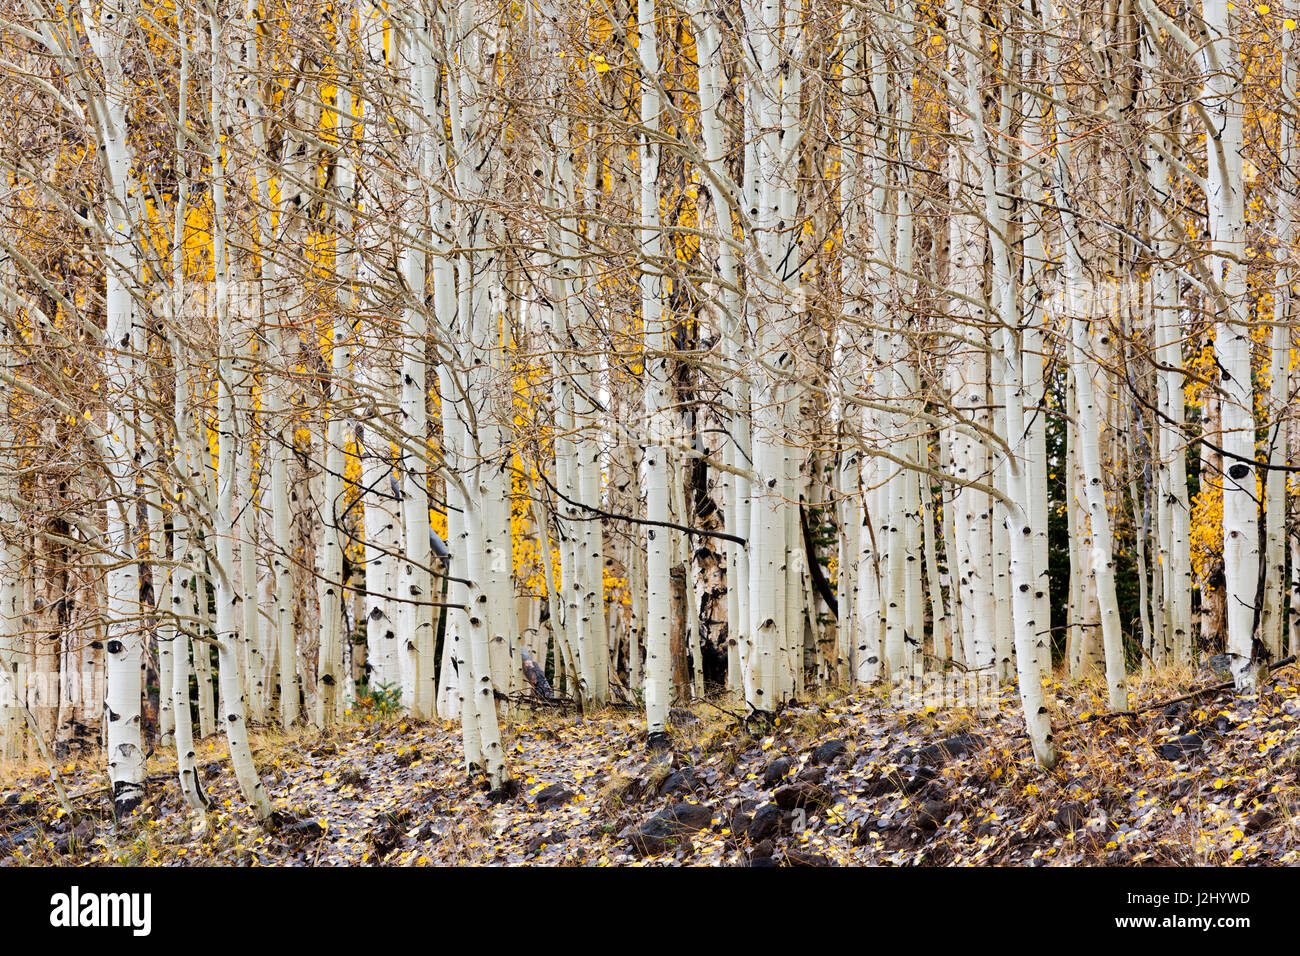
[416, 579]
[106, 30]
[228, 595]
[487, 557]
[1009, 381]
[329, 671]
[1076, 306]
[654, 466]
[1271, 623]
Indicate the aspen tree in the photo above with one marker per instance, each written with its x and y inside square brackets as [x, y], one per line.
[1271, 625]
[106, 30]
[417, 581]
[774, 33]
[480, 328]
[381, 254]
[654, 467]
[181, 587]
[281, 231]
[1173, 510]
[1088, 432]
[231, 446]
[11, 594]
[1223, 104]
[577, 471]
[725, 196]
[329, 674]
[1009, 393]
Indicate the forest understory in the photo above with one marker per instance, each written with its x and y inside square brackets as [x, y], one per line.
[1194, 775]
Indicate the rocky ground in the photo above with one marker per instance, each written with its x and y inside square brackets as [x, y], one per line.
[839, 780]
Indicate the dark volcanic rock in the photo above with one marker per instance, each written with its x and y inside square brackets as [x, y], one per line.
[385, 840]
[885, 783]
[16, 837]
[918, 782]
[1180, 747]
[506, 792]
[545, 839]
[1176, 711]
[1219, 725]
[829, 751]
[555, 795]
[14, 807]
[963, 745]
[397, 818]
[668, 826]
[775, 772]
[303, 830]
[814, 775]
[740, 817]
[932, 813]
[1261, 819]
[766, 822]
[428, 831]
[685, 780]
[802, 795]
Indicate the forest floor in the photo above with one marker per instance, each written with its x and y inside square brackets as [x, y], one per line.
[839, 779]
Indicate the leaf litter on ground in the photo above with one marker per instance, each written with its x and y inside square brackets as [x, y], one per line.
[842, 779]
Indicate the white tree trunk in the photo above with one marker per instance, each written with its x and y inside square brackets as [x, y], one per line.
[225, 522]
[1089, 428]
[124, 645]
[654, 467]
